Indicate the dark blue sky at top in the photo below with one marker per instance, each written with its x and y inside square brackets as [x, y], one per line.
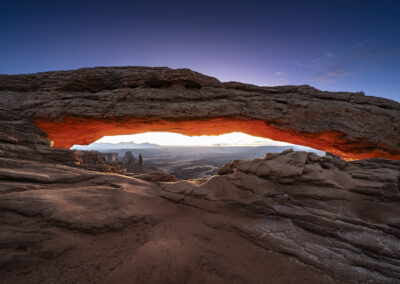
[346, 45]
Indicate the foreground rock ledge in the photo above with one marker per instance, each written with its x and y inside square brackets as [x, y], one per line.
[81, 106]
[292, 217]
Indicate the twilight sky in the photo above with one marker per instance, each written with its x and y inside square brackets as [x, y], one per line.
[332, 45]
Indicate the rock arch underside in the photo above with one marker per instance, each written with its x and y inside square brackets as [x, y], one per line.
[287, 217]
[79, 107]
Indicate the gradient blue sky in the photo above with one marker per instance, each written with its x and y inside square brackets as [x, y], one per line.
[346, 45]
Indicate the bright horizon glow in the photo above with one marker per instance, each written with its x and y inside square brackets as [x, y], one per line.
[176, 139]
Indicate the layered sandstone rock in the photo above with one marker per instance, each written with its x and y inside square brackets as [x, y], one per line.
[132, 165]
[290, 217]
[107, 162]
[19, 138]
[111, 157]
[337, 216]
[154, 176]
[81, 106]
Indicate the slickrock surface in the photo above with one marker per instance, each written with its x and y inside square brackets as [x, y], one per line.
[81, 106]
[292, 217]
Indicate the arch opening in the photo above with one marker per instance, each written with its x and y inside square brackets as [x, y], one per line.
[69, 131]
[184, 157]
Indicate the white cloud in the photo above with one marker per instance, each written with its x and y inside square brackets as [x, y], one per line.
[329, 54]
[279, 73]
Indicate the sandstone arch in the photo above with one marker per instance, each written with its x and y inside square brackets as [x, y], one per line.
[81, 106]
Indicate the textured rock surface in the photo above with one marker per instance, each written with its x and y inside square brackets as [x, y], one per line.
[154, 176]
[19, 138]
[80, 106]
[111, 157]
[104, 162]
[331, 214]
[292, 217]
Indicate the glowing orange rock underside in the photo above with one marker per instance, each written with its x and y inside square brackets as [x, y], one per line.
[71, 131]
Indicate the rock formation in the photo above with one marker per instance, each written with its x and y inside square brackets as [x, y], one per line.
[133, 166]
[140, 161]
[327, 213]
[129, 161]
[292, 217]
[104, 162]
[81, 106]
[154, 176]
[19, 138]
[111, 157]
